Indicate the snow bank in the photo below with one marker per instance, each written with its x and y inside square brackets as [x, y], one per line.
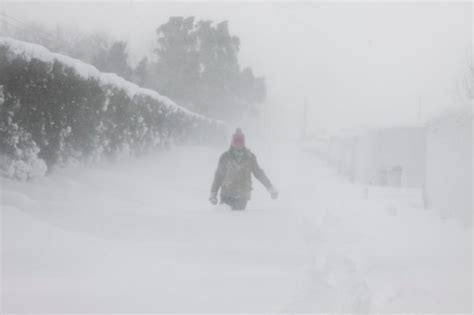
[135, 237]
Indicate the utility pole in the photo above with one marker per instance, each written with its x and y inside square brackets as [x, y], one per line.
[419, 114]
[3, 23]
[304, 119]
[3, 20]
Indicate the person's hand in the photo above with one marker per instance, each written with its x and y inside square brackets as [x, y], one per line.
[213, 198]
[273, 192]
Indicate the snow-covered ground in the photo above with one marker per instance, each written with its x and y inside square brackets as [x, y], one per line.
[140, 236]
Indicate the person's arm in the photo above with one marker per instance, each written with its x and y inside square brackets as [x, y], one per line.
[218, 178]
[259, 174]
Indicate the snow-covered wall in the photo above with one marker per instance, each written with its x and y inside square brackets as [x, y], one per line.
[449, 165]
[55, 108]
[435, 158]
[391, 156]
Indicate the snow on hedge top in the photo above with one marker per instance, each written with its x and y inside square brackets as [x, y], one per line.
[29, 51]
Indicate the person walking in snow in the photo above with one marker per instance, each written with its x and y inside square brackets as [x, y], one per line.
[233, 175]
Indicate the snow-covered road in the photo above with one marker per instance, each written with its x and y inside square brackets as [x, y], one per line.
[140, 236]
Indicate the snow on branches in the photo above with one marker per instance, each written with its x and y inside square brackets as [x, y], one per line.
[54, 109]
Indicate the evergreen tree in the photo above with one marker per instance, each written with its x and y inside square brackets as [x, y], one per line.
[197, 65]
[177, 69]
[141, 72]
[115, 60]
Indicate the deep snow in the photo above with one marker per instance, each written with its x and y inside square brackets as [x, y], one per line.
[139, 236]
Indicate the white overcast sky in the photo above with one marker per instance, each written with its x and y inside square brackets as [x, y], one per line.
[356, 62]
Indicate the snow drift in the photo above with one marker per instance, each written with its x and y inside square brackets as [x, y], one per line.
[139, 236]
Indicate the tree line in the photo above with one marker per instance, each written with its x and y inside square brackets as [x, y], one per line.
[194, 62]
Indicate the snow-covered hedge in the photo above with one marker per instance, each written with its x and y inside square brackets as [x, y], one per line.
[54, 109]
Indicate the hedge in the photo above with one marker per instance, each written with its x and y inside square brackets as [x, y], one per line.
[54, 109]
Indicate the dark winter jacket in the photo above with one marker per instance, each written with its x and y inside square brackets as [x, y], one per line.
[233, 174]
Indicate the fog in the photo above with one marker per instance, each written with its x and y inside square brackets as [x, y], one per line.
[357, 64]
[308, 157]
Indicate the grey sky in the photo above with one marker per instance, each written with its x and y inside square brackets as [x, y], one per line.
[356, 63]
